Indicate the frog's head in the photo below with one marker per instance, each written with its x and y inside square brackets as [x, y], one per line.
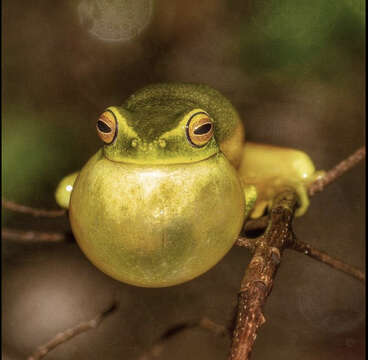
[171, 124]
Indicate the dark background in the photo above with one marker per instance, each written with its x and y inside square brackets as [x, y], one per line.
[295, 70]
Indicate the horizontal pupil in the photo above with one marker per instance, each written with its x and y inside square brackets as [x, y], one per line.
[203, 129]
[103, 126]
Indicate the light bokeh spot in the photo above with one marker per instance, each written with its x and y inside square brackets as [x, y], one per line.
[115, 20]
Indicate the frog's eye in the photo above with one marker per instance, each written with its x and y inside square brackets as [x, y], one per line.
[199, 129]
[107, 127]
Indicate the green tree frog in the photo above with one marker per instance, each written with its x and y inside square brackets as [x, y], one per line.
[166, 197]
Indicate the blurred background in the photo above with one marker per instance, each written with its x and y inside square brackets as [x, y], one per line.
[295, 70]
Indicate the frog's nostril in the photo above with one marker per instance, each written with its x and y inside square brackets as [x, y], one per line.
[143, 146]
[162, 143]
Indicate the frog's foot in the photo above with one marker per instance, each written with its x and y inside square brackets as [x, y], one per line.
[268, 190]
[262, 206]
[301, 189]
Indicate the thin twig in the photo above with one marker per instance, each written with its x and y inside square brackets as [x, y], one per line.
[68, 334]
[307, 249]
[319, 255]
[259, 275]
[337, 171]
[157, 348]
[28, 236]
[214, 328]
[248, 243]
[11, 205]
[256, 224]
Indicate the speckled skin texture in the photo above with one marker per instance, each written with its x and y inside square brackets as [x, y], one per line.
[151, 225]
[174, 98]
[151, 209]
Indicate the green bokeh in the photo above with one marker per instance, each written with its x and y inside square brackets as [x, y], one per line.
[36, 154]
[298, 38]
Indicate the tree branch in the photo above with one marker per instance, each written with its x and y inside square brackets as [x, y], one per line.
[336, 172]
[27, 236]
[256, 224]
[307, 249]
[258, 279]
[249, 243]
[68, 334]
[10, 205]
[319, 255]
[157, 348]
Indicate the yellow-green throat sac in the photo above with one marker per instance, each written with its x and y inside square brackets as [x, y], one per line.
[163, 225]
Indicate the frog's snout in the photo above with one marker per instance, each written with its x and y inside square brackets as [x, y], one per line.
[147, 146]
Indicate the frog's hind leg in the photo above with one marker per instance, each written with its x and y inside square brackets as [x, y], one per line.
[271, 169]
[64, 190]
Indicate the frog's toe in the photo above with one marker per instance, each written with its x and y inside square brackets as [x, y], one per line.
[317, 175]
[303, 201]
[259, 209]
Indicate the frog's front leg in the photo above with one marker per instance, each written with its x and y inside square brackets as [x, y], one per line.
[64, 190]
[271, 169]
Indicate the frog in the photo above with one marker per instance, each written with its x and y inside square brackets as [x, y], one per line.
[167, 195]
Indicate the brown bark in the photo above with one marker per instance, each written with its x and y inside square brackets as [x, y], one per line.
[29, 236]
[259, 275]
[11, 205]
[155, 351]
[68, 334]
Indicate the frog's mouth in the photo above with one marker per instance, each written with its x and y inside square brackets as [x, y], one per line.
[149, 159]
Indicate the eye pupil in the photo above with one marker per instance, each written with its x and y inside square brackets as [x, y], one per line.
[199, 129]
[102, 126]
[203, 129]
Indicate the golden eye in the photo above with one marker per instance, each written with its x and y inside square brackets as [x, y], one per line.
[199, 129]
[107, 127]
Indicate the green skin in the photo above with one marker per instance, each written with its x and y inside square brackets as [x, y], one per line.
[151, 209]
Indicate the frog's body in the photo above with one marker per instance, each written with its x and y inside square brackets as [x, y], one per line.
[164, 201]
